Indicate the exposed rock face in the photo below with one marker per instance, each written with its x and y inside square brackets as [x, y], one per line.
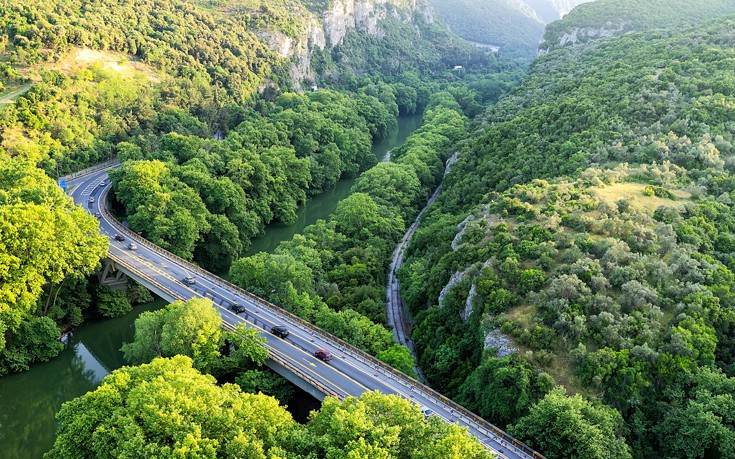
[328, 29]
[502, 344]
[582, 35]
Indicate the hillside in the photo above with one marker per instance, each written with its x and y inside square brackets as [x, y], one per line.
[551, 10]
[514, 26]
[608, 18]
[587, 231]
[203, 103]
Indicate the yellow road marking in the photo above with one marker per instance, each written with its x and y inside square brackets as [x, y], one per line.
[150, 265]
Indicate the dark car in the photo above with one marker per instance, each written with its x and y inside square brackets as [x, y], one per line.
[119, 237]
[238, 308]
[323, 354]
[280, 331]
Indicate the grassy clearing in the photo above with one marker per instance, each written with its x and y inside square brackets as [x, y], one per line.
[562, 367]
[119, 63]
[634, 191]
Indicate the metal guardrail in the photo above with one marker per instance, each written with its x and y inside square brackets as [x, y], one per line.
[481, 425]
[91, 169]
[273, 354]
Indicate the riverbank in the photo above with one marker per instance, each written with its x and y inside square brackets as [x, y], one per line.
[30, 400]
[322, 206]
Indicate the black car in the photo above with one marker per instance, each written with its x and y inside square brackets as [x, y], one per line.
[119, 237]
[238, 308]
[280, 331]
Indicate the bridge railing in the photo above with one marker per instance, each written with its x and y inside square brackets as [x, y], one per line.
[273, 354]
[413, 385]
[91, 169]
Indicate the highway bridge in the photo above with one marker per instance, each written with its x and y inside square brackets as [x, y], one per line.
[350, 373]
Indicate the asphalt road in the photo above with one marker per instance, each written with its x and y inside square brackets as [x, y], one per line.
[347, 374]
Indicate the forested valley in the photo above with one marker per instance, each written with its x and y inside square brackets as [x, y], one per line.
[573, 283]
[584, 239]
[218, 135]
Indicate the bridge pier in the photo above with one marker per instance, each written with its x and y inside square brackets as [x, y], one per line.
[295, 380]
[112, 276]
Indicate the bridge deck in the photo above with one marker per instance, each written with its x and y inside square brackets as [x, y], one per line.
[350, 373]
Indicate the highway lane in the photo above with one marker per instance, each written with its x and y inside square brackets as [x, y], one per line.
[348, 374]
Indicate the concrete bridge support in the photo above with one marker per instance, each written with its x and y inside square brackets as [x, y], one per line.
[295, 379]
[111, 276]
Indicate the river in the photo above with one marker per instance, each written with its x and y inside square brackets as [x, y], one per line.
[29, 401]
[323, 205]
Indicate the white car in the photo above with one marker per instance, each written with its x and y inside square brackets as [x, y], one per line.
[428, 412]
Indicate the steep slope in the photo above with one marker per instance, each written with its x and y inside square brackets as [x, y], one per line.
[607, 18]
[587, 230]
[515, 26]
[551, 10]
[511, 25]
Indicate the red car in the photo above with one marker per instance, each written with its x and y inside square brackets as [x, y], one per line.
[323, 354]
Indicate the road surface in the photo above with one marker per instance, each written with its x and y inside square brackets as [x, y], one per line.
[350, 373]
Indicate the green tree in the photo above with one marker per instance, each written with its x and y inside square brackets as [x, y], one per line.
[400, 358]
[192, 329]
[44, 239]
[111, 303]
[377, 425]
[168, 409]
[572, 427]
[359, 217]
[503, 390]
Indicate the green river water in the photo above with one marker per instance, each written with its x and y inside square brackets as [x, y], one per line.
[30, 400]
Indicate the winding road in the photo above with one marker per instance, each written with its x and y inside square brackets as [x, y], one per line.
[350, 373]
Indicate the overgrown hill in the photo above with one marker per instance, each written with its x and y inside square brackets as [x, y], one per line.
[498, 23]
[588, 230]
[204, 56]
[606, 18]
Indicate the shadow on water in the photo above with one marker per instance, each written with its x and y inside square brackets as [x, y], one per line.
[29, 401]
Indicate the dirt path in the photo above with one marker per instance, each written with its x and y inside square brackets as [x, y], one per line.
[14, 94]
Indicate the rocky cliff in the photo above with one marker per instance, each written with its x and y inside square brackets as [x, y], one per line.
[606, 18]
[328, 27]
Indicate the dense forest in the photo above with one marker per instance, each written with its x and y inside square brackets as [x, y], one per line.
[585, 238]
[216, 141]
[605, 18]
[573, 283]
[213, 144]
